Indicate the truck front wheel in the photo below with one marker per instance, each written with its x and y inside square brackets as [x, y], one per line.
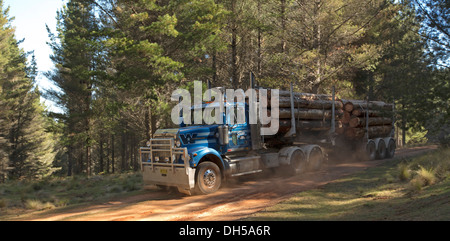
[208, 178]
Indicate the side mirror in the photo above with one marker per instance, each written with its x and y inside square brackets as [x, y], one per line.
[224, 139]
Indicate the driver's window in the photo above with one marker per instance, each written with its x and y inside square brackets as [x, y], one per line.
[236, 115]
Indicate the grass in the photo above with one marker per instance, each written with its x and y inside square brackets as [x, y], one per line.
[402, 189]
[22, 196]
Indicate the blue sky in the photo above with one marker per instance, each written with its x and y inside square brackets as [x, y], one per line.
[30, 19]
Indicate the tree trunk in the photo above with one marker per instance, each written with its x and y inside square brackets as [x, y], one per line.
[112, 154]
[123, 151]
[88, 160]
[100, 161]
[69, 160]
[214, 67]
[234, 67]
[153, 120]
[259, 58]
[403, 131]
[148, 127]
[283, 25]
[108, 151]
[318, 47]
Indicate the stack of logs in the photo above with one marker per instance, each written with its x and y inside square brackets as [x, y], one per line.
[313, 112]
[356, 112]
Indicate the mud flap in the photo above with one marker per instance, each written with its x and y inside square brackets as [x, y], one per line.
[188, 190]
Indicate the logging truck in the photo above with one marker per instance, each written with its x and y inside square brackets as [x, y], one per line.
[198, 158]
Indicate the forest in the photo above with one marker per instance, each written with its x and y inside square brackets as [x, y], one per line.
[117, 62]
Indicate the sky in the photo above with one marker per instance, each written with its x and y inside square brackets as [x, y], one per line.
[31, 16]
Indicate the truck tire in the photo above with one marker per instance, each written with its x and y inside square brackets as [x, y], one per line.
[371, 150]
[381, 149]
[390, 150]
[315, 158]
[298, 163]
[208, 178]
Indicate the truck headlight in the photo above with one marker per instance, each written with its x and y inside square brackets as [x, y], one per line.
[178, 143]
[156, 158]
[148, 143]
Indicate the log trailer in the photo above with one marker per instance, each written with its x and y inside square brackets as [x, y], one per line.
[199, 158]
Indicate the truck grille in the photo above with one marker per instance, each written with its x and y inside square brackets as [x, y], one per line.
[162, 152]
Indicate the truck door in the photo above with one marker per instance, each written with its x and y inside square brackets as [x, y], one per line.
[239, 133]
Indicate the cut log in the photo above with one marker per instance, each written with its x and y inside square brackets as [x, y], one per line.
[348, 106]
[372, 113]
[306, 114]
[310, 124]
[357, 112]
[375, 121]
[340, 130]
[362, 104]
[374, 132]
[285, 102]
[346, 117]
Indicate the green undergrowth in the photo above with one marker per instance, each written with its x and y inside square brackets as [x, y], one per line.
[403, 189]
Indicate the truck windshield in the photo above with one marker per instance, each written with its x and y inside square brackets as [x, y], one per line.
[208, 119]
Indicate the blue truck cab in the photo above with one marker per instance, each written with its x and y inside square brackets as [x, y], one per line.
[195, 156]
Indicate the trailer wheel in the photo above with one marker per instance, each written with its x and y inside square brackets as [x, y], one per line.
[390, 150]
[381, 149]
[298, 163]
[208, 178]
[315, 158]
[371, 150]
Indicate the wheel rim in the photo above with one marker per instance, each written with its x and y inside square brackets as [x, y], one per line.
[209, 178]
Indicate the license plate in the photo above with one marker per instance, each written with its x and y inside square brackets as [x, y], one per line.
[163, 171]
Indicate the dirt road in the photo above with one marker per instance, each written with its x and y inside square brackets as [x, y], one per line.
[238, 199]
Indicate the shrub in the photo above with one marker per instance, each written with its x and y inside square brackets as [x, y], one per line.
[426, 175]
[404, 173]
[38, 205]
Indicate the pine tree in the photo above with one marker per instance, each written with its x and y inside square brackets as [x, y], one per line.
[29, 147]
[5, 34]
[401, 73]
[77, 57]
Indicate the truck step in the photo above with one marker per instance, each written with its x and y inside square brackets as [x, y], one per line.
[246, 173]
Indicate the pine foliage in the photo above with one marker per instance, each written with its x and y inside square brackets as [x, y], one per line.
[26, 148]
